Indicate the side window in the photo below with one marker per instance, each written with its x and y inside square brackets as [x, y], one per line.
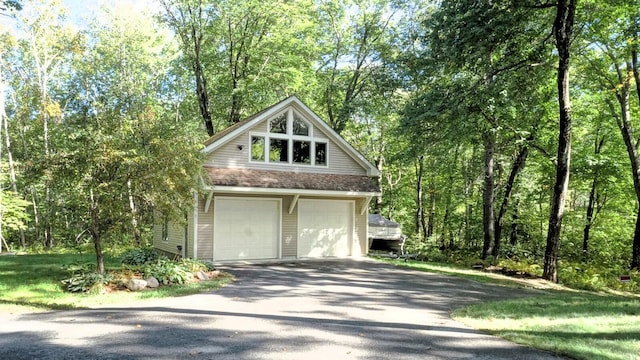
[321, 154]
[257, 148]
[165, 229]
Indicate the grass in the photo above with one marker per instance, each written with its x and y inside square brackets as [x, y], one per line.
[32, 283]
[577, 324]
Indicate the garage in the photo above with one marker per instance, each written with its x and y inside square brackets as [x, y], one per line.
[246, 228]
[325, 228]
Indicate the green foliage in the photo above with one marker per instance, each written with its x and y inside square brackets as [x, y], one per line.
[140, 256]
[84, 278]
[168, 272]
[195, 265]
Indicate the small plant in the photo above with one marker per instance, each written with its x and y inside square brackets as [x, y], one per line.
[139, 257]
[194, 265]
[168, 272]
[84, 279]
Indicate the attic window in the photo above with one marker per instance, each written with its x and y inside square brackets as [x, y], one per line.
[300, 127]
[278, 125]
[289, 140]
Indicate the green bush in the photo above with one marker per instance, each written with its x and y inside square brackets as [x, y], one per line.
[84, 278]
[139, 257]
[194, 265]
[168, 272]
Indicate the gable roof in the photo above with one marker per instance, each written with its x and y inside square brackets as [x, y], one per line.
[221, 138]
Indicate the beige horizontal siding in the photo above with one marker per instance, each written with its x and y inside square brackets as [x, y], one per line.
[205, 231]
[175, 236]
[189, 250]
[289, 228]
[360, 230]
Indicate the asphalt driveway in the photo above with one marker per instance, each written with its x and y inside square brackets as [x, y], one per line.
[338, 309]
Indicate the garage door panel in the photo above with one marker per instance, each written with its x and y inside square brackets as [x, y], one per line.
[325, 228]
[246, 228]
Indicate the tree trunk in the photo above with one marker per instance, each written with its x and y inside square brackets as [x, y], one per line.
[592, 202]
[447, 202]
[2, 119]
[589, 220]
[201, 81]
[518, 165]
[419, 218]
[513, 236]
[626, 128]
[12, 168]
[468, 194]
[94, 229]
[134, 216]
[192, 44]
[488, 194]
[635, 248]
[430, 224]
[563, 26]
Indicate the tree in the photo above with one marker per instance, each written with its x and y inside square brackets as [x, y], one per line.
[190, 19]
[240, 50]
[358, 51]
[125, 144]
[483, 47]
[563, 33]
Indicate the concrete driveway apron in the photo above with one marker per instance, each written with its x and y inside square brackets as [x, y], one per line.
[331, 309]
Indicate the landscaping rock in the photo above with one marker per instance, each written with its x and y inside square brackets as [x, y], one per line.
[136, 284]
[202, 276]
[152, 282]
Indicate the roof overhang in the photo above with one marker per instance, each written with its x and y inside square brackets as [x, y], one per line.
[293, 192]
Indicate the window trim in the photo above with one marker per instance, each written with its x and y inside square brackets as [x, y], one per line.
[267, 135]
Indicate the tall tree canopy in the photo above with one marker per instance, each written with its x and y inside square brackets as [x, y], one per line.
[463, 106]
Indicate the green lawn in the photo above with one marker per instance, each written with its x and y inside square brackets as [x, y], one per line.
[577, 324]
[32, 282]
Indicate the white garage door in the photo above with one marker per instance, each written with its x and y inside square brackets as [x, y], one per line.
[325, 228]
[246, 228]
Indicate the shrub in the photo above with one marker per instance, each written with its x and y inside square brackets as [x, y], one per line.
[139, 257]
[84, 279]
[194, 265]
[168, 272]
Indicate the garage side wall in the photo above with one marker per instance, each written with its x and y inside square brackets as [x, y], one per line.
[175, 236]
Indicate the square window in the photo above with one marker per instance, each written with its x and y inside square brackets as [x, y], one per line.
[257, 148]
[278, 150]
[321, 154]
[302, 152]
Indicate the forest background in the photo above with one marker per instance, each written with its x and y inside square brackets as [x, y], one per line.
[504, 130]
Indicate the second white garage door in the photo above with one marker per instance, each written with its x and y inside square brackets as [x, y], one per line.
[325, 228]
[246, 228]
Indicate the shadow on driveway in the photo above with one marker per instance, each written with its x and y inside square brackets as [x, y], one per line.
[336, 309]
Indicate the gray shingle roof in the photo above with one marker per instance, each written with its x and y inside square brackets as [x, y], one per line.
[289, 180]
